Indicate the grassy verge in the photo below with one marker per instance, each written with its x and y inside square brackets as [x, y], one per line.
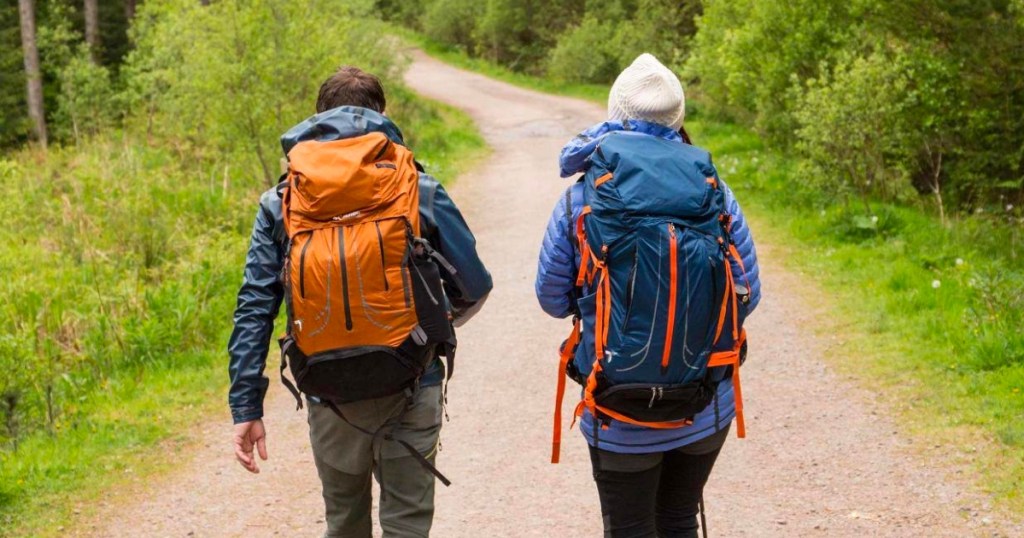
[121, 300]
[928, 315]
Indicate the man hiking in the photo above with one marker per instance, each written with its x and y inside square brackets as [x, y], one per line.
[374, 264]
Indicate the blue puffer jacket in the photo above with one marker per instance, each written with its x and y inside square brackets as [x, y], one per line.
[556, 278]
[260, 296]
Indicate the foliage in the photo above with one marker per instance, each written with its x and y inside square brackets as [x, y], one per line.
[612, 35]
[876, 124]
[87, 103]
[748, 54]
[215, 78]
[799, 72]
[585, 53]
[452, 21]
[13, 115]
[60, 32]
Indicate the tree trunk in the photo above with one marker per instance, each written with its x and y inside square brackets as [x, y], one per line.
[92, 28]
[33, 77]
[129, 10]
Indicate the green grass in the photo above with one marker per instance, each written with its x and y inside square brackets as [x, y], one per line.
[949, 360]
[135, 427]
[121, 259]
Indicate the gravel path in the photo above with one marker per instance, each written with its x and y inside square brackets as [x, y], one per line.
[821, 458]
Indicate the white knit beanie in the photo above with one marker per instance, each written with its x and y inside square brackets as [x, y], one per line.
[649, 91]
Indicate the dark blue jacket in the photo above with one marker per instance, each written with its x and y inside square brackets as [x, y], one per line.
[260, 296]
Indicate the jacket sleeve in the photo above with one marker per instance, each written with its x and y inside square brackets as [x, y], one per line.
[556, 268]
[446, 229]
[259, 300]
[744, 241]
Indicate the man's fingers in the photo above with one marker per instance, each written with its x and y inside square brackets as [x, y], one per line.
[243, 453]
[244, 456]
[261, 447]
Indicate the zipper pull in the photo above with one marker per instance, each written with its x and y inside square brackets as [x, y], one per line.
[654, 393]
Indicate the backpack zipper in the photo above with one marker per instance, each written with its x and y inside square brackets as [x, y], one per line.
[657, 393]
[302, 266]
[383, 264]
[670, 326]
[405, 280]
[344, 277]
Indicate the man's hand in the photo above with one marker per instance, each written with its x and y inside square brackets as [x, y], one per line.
[248, 434]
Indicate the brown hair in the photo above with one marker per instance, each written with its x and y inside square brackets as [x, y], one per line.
[351, 86]
[685, 135]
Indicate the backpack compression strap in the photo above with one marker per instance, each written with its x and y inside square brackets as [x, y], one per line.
[739, 335]
[566, 354]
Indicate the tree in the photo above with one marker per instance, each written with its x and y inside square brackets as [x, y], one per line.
[33, 76]
[92, 27]
[129, 10]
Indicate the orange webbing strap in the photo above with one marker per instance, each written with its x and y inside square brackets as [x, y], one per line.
[588, 391]
[735, 254]
[585, 254]
[732, 358]
[604, 310]
[670, 425]
[589, 403]
[603, 179]
[568, 349]
[672, 261]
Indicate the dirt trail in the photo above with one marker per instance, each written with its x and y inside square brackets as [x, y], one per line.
[821, 458]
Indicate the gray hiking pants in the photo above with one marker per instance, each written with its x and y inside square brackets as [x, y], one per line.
[346, 458]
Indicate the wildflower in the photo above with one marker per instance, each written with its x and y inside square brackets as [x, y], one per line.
[874, 219]
[1009, 207]
[936, 284]
[823, 213]
[959, 261]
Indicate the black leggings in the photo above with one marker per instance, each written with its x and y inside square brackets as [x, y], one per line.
[654, 495]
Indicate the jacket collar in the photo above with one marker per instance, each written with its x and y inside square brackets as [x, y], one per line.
[575, 156]
[338, 123]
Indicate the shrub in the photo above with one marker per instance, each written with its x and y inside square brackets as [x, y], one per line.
[452, 21]
[584, 54]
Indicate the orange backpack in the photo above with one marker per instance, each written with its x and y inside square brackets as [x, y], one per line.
[366, 307]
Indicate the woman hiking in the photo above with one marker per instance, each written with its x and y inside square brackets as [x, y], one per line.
[650, 254]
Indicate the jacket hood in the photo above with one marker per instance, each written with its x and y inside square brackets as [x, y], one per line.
[338, 123]
[575, 156]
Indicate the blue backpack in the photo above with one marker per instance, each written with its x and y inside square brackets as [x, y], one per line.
[659, 319]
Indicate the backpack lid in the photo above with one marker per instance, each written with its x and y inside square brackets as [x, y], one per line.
[637, 178]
